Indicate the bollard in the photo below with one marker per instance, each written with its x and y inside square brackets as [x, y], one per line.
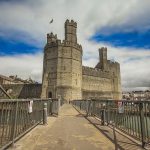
[58, 104]
[51, 107]
[45, 114]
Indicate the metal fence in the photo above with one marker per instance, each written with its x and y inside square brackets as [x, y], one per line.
[3, 93]
[132, 117]
[17, 117]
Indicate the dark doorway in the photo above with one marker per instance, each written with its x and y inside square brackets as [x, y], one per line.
[49, 94]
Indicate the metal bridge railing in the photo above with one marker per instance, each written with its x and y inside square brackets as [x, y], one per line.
[131, 117]
[3, 93]
[17, 117]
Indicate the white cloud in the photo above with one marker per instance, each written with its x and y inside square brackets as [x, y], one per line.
[32, 18]
[134, 64]
[24, 66]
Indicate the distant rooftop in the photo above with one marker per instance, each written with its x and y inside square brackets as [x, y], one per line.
[15, 79]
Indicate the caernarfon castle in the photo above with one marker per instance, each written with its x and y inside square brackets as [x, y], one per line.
[64, 75]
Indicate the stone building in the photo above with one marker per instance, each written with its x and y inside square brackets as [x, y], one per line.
[16, 87]
[64, 75]
[14, 80]
[6, 80]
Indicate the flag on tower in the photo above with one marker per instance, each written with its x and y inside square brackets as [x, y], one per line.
[51, 21]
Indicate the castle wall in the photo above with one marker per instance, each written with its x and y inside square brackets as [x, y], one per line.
[62, 69]
[100, 83]
[49, 70]
[114, 68]
[69, 70]
[96, 83]
[64, 75]
[23, 90]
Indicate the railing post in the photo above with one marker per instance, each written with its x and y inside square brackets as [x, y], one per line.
[93, 108]
[45, 114]
[13, 128]
[142, 124]
[80, 105]
[108, 112]
[102, 117]
[88, 108]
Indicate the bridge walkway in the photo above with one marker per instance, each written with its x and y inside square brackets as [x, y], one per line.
[69, 131]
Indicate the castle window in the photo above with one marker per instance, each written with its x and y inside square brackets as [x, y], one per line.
[49, 94]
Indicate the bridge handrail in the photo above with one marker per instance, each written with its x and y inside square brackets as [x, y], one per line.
[18, 116]
[129, 116]
[21, 100]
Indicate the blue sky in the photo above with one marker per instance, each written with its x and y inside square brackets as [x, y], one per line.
[15, 47]
[122, 26]
[132, 39]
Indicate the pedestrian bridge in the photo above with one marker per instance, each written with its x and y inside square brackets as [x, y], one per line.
[72, 129]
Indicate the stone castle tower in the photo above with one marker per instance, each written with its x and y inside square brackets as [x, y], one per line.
[64, 75]
[62, 69]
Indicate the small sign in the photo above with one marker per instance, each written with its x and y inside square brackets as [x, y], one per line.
[30, 107]
[120, 107]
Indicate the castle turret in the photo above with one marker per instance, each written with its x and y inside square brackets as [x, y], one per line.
[70, 31]
[103, 58]
[49, 79]
[51, 38]
[69, 67]
[62, 69]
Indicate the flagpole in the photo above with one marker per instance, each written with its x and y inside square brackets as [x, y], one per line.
[51, 21]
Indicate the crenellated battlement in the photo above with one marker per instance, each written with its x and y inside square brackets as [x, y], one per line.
[68, 43]
[70, 31]
[51, 35]
[95, 72]
[103, 48]
[110, 62]
[71, 23]
[51, 38]
[63, 43]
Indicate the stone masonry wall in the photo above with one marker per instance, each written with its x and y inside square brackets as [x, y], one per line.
[96, 83]
[24, 90]
[64, 75]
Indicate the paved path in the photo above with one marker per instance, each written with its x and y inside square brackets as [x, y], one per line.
[124, 142]
[69, 131]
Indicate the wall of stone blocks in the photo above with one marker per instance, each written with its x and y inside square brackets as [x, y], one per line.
[64, 75]
[96, 87]
[24, 90]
